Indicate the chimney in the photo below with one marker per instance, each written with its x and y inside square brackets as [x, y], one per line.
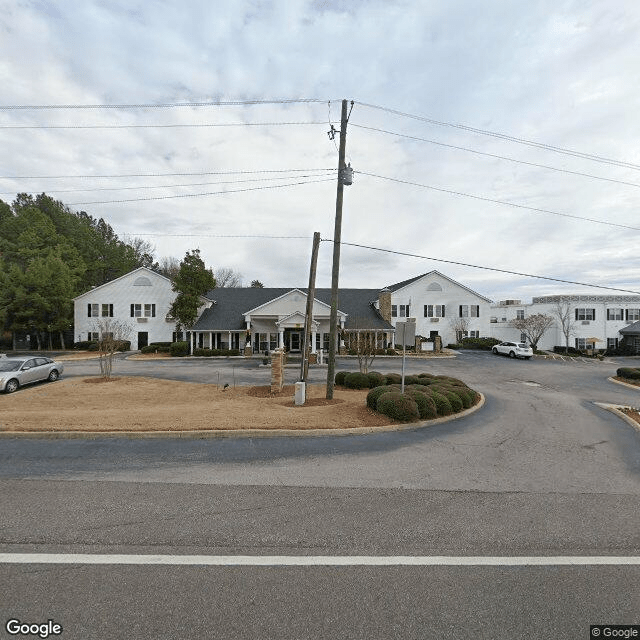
[384, 304]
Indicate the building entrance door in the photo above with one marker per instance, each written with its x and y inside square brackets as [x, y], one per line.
[295, 341]
[143, 339]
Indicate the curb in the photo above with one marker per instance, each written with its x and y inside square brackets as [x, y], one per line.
[241, 433]
[615, 408]
[624, 384]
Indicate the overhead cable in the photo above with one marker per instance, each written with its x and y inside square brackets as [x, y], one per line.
[494, 155]
[502, 202]
[200, 195]
[476, 266]
[510, 138]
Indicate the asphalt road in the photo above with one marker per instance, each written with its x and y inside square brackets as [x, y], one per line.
[540, 471]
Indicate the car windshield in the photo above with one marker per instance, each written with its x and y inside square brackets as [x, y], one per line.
[10, 365]
[522, 345]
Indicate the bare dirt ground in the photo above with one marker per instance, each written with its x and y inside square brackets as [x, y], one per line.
[147, 404]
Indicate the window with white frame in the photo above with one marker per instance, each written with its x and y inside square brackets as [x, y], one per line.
[97, 310]
[612, 343]
[615, 314]
[585, 314]
[581, 343]
[632, 315]
[474, 334]
[434, 311]
[93, 336]
[394, 310]
[520, 315]
[523, 337]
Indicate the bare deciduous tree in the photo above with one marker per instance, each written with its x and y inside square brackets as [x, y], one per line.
[460, 327]
[562, 313]
[227, 278]
[363, 342]
[112, 334]
[534, 327]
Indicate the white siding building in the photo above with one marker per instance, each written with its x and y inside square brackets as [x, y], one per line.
[441, 307]
[139, 300]
[595, 319]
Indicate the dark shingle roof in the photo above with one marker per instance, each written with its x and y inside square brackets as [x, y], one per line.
[227, 314]
[631, 330]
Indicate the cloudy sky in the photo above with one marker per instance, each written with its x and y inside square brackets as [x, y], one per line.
[432, 84]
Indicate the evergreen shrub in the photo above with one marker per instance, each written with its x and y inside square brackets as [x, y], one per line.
[375, 393]
[356, 380]
[340, 376]
[179, 349]
[398, 407]
[376, 379]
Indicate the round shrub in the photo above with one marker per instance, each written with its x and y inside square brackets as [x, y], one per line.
[356, 380]
[398, 407]
[443, 406]
[464, 395]
[375, 393]
[179, 349]
[411, 379]
[393, 378]
[376, 379]
[454, 401]
[340, 376]
[629, 373]
[426, 405]
[425, 375]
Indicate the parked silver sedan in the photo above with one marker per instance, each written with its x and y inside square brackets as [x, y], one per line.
[16, 372]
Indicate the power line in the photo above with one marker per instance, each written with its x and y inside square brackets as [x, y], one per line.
[159, 126]
[475, 266]
[167, 186]
[163, 105]
[214, 235]
[163, 175]
[494, 155]
[199, 195]
[503, 202]
[504, 136]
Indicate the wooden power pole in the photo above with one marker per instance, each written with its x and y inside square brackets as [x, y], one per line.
[333, 322]
[308, 317]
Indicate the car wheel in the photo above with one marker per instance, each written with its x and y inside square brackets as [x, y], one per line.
[512, 354]
[53, 376]
[495, 350]
[11, 386]
[527, 357]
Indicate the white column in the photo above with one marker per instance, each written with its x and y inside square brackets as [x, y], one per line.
[281, 339]
[313, 341]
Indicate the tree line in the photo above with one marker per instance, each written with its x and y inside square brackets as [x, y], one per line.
[48, 255]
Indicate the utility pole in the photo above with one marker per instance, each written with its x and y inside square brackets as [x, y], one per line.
[308, 317]
[333, 322]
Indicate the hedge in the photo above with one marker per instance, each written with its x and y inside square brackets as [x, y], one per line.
[179, 349]
[375, 379]
[426, 405]
[398, 407]
[356, 380]
[443, 406]
[375, 393]
[629, 373]
[340, 376]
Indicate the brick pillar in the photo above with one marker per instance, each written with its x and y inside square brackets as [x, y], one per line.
[384, 303]
[277, 370]
[248, 350]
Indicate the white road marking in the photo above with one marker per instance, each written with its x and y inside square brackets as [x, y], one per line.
[308, 561]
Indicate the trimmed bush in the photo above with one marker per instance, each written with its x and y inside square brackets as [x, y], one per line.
[340, 376]
[443, 406]
[485, 344]
[156, 348]
[629, 373]
[393, 378]
[398, 407]
[454, 400]
[375, 379]
[356, 380]
[375, 393]
[411, 379]
[425, 375]
[179, 349]
[426, 405]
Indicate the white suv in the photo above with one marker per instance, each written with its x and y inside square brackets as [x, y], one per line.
[514, 350]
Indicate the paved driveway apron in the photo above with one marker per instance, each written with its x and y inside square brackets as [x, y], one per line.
[539, 472]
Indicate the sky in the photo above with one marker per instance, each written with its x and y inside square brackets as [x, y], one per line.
[215, 117]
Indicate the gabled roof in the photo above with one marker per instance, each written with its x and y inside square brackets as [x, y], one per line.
[631, 330]
[144, 270]
[231, 304]
[404, 283]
